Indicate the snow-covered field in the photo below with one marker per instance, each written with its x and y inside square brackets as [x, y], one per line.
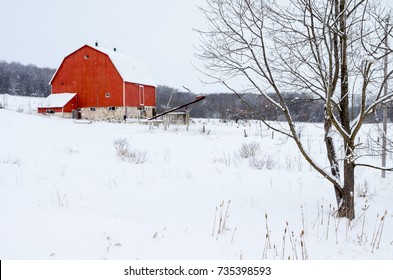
[177, 194]
[21, 104]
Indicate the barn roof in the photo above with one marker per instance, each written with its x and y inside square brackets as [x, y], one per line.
[57, 100]
[130, 69]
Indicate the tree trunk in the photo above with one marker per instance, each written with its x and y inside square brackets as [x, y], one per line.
[332, 157]
[344, 196]
[347, 206]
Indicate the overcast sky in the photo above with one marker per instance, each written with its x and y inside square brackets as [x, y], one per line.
[156, 32]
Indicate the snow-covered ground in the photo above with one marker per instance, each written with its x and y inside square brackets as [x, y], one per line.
[21, 104]
[177, 194]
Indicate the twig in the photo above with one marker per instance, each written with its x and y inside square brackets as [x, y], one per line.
[375, 228]
[220, 222]
[108, 238]
[336, 226]
[382, 222]
[293, 243]
[328, 223]
[224, 224]
[214, 224]
[233, 235]
[283, 241]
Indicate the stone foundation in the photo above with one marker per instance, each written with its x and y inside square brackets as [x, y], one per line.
[115, 113]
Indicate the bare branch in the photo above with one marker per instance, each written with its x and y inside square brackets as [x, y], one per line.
[374, 167]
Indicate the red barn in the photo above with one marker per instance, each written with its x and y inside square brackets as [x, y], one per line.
[107, 84]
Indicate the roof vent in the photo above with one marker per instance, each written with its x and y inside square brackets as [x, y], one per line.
[114, 49]
[96, 44]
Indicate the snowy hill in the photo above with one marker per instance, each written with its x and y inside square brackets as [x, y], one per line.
[131, 191]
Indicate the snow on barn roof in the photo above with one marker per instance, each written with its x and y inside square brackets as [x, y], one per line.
[130, 69]
[57, 100]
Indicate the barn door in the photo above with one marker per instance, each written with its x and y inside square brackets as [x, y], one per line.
[141, 95]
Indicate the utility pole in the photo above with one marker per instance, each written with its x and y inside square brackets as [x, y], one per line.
[385, 109]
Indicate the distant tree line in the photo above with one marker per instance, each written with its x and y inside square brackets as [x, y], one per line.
[30, 80]
[230, 106]
[227, 106]
[24, 80]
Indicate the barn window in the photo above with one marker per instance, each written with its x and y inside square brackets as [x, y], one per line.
[87, 56]
[92, 109]
[50, 111]
[111, 108]
[107, 95]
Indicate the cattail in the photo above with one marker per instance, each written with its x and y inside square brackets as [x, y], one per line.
[268, 233]
[322, 214]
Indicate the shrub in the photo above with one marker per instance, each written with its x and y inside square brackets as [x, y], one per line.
[122, 147]
[262, 162]
[137, 157]
[123, 151]
[249, 150]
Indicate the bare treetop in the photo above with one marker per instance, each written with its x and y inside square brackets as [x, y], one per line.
[332, 50]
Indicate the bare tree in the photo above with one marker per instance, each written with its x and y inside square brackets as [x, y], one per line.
[330, 49]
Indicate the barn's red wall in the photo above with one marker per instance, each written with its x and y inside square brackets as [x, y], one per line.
[42, 110]
[133, 95]
[71, 105]
[91, 74]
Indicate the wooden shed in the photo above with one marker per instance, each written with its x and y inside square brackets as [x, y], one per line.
[61, 104]
[108, 84]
